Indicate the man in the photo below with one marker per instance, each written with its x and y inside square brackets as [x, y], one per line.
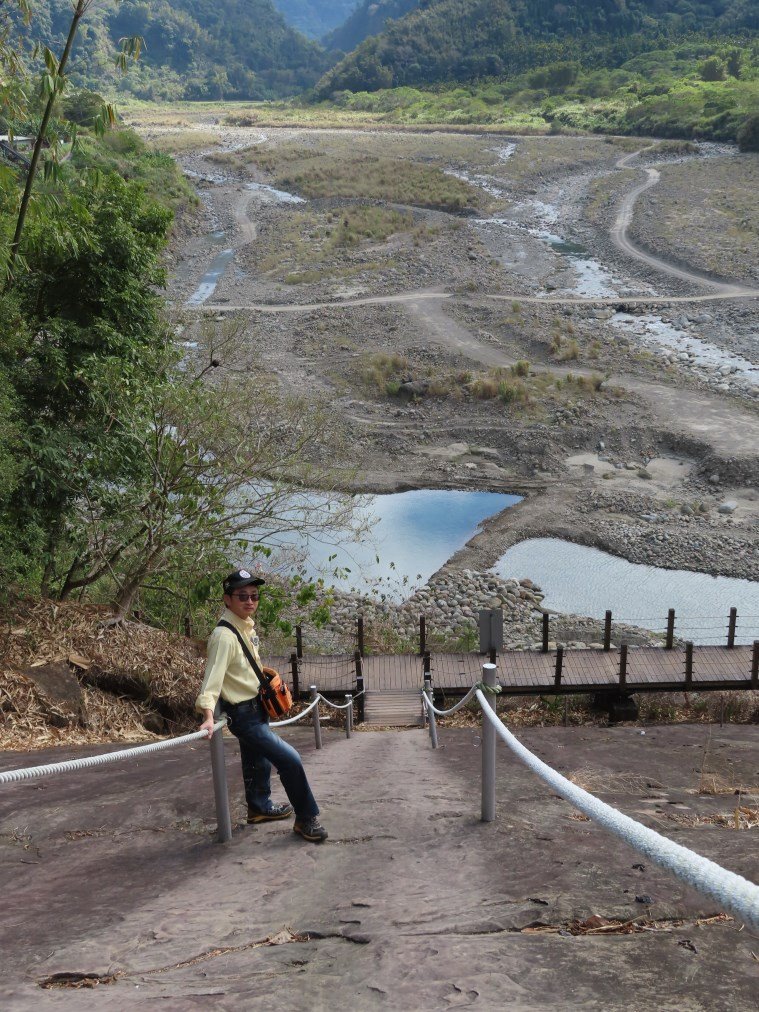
[230, 679]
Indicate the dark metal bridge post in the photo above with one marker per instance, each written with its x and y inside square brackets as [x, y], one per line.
[298, 641]
[295, 674]
[360, 686]
[422, 635]
[545, 632]
[669, 643]
[622, 664]
[755, 666]
[360, 625]
[688, 664]
[731, 624]
[559, 664]
[607, 631]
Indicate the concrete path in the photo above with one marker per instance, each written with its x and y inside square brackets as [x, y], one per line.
[413, 903]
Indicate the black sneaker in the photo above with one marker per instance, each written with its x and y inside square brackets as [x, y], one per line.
[272, 814]
[310, 829]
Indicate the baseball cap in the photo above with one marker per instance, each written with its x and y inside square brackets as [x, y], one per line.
[241, 578]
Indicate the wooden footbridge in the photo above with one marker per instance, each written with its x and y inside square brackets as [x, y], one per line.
[393, 681]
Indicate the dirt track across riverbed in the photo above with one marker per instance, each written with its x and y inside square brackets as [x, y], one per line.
[463, 299]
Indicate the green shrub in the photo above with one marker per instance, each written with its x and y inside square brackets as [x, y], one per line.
[748, 133]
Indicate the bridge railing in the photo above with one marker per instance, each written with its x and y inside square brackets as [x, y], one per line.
[728, 630]
[732, 891]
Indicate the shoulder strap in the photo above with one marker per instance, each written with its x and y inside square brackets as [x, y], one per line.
[246, 650]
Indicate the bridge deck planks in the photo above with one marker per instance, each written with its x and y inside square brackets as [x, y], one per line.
[530, 671]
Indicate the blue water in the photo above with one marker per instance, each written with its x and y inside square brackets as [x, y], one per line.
[211, 278]
[586, 581]
[414, 534]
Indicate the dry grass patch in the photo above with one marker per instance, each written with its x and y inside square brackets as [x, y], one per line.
[314, 173]
[179, 142]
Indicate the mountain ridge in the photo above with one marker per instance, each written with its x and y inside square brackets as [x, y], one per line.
[464, 40]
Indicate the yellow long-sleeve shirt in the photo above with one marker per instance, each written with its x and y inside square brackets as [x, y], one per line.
[228, 673]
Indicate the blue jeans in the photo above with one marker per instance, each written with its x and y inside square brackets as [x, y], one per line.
[260, 749]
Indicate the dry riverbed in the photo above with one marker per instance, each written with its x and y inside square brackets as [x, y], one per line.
[464, 304]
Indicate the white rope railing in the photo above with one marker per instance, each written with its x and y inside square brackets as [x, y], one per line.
[298, 716]
[335, 706]
[445, 713]
[733, 892]
[32, 772]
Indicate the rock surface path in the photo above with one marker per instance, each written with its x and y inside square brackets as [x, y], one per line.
[413, 903]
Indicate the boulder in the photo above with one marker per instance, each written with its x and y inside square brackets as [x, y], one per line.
[59, 691]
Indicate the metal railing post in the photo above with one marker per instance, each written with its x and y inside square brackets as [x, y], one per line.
[559, 665]
[361, 697]
[488, 753]
[294, 666]
[755, 665]
[545, 632]
[670, 629]
[623, 666]
[607, 631]
[220, 792]
[430, 714]
[348, 714]
[360, 634]
[731, 624]
[317, 722]
[422, 635]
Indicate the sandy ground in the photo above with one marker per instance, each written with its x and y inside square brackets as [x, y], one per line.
[476, 293]
[413, 903]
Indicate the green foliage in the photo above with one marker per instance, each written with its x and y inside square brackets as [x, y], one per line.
[659, 93]
[468, 40]
[190, 49]
[713, 69]
[748, 133]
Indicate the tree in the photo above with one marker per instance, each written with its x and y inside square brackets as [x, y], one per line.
[734, 62]
[207, 468]
[748, 133]
[52, 83]
[713, 69]
[52, 86]
[85, 307]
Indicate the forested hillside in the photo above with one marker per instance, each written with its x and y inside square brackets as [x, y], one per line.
[122, 467]
[463, 40]
[315, 18]
[194, 49]
[367, 19]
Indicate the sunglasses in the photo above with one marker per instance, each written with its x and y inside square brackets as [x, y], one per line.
[247, 597]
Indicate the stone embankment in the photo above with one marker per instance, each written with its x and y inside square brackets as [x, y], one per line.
[698, 535]
[450, 603]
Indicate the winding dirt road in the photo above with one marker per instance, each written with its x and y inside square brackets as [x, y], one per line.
[621, 239]
[729, 430]
[619, 234]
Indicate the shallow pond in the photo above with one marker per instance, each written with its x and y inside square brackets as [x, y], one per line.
[415, 533]
[586, 581]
